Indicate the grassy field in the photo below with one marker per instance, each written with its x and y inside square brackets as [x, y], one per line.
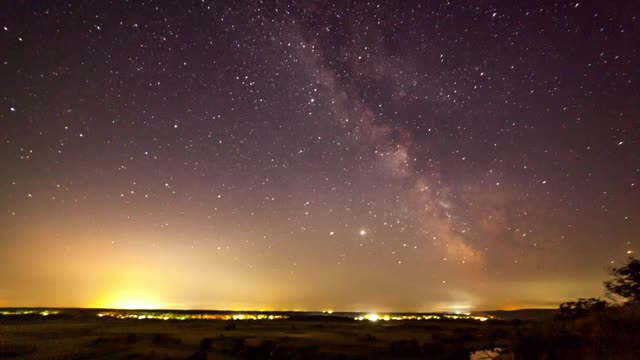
[51, 337]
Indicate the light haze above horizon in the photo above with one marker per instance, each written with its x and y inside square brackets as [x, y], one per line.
[374, 157]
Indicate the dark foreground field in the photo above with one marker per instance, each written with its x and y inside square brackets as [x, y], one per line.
[38, 337]
[608, 334]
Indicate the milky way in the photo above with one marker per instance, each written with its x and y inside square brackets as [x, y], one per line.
[378, 156]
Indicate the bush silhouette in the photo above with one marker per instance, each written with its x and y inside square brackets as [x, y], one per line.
[262, 351]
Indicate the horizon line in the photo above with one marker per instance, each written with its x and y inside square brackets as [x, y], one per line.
[325, 311]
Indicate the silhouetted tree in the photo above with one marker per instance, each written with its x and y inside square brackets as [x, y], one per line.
[581, 307]
[626, 281]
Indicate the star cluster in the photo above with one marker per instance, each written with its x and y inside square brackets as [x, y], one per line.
[387, 156]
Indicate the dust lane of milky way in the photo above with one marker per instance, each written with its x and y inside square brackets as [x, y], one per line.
[320, 155]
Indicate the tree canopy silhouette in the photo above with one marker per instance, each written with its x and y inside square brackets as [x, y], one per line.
[581, 307]
[625, 281]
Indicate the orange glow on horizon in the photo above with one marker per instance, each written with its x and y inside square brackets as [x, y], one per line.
[129, 300]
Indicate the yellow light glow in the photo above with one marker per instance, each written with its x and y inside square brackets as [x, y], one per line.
[129, 300]
[150, 315]
[372, 317]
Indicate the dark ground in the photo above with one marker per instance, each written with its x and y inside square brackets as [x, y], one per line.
[82, 337]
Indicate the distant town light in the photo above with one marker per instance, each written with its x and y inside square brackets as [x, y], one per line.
[372, 317]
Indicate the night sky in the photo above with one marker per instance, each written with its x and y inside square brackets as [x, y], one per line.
[371, 156]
